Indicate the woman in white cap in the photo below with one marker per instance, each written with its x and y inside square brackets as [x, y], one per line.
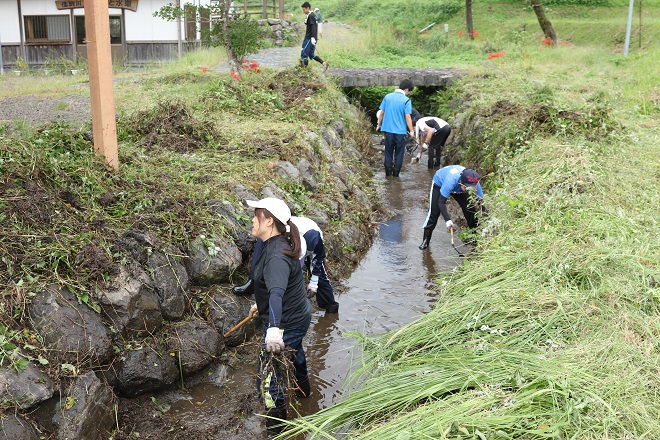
[281, 299]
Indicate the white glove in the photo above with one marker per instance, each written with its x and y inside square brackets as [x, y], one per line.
[274, 341]
[253, 309]
[425, 146]
[450, 224]
[313, 285]
[313, 41]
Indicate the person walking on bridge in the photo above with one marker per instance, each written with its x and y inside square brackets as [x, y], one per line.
[311, 35]
[431, 133]
[396, 122]
[463, 185]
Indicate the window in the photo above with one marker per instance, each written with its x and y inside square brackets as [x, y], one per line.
[47, 29]
[115, 29]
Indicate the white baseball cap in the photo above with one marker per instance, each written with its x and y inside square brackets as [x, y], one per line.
[316, 9]
[275, 206]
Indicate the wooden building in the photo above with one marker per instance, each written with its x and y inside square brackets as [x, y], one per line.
[36, 32]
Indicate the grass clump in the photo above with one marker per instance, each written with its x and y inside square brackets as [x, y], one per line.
[169, 125]
[551, 330]
[549, 333]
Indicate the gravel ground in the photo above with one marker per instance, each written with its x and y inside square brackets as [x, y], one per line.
[35, 110]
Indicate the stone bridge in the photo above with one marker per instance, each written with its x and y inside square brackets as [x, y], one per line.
[392, 76]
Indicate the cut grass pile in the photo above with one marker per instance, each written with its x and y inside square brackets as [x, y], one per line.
[551, 332]
[552, 329]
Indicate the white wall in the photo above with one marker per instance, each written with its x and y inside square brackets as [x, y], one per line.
[140, 25]
[9, 29]
[41, 7]
[143, 26]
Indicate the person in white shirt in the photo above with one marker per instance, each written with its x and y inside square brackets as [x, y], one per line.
[312, 257]
[314, 261]
[431, 133]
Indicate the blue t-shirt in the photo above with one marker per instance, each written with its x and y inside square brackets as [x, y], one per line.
[447, 179]
[395, 105]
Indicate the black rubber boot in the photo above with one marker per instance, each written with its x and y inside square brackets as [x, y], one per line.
[395, 172]
[304, 388]
[245, 289]
[275, 427]
[388, 171]
[332, 308]
[427, 239]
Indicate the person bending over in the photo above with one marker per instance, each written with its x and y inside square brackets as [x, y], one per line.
[463, 185]
[431, 133]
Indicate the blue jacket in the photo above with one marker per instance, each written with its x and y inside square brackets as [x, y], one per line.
[447, 179]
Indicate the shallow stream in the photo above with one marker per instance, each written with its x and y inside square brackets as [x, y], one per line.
[390, 287]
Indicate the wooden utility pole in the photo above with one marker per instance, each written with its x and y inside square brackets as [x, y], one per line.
[99, 58]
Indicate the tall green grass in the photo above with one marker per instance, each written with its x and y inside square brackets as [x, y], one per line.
[551, 332]
[386, 33]
[552, 329]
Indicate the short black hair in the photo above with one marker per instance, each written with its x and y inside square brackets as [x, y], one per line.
[306, 5]
[415, 116]
[406, 84]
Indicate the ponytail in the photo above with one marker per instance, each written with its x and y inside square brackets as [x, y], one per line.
[293, 237]
[289, 231]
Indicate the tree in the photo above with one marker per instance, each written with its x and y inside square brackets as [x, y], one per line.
[546, 26]
[221, 25]
[468, 19]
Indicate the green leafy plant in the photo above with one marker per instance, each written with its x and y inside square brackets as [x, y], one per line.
[10, 353]
[21, 64]
[241, 36]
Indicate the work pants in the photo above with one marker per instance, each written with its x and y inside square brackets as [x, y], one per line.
[324, 295]
[435, 147]
[469, 208]
[395, 148]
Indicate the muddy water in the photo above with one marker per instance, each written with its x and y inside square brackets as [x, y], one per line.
[390, 287]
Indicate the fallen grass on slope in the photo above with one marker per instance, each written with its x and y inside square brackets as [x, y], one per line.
[553, 330]
[62, 210]
[551, 333]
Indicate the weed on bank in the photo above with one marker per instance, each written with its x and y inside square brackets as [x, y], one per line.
[551, 329]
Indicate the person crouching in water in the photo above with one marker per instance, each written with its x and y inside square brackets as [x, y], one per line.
[314, 261]
[455, 181]
[280, 295]
[431, 133]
